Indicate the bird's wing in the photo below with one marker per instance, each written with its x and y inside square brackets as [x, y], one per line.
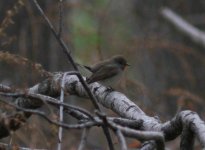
[88, 68]
[103, 73]
[95, 67]
[98, 66]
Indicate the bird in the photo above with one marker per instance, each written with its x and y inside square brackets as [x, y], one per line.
[108, 71]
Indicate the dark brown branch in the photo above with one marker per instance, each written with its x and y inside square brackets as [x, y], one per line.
[105, 125]
[42, 114]
[48, 99]
[67, 52]
[61, 42]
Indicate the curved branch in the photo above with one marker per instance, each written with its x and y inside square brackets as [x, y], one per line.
[185, 120]
[121, 140]
[136, 118]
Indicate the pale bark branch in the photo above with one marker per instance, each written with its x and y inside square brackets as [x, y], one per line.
[83, 139]
[134, 122]
[187, 139]
[60, 129]
[182, 25]
[121, 140]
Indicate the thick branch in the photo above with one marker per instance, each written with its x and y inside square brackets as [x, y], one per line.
[187, 139]
[118, 102]
[185, 121]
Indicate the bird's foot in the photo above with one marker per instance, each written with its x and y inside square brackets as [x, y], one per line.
[109, 89]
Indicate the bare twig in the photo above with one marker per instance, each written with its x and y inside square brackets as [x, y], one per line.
[67, 52]
[42, 114]
[121, 140]
[51, 100]
[83, 139]
[105, 126]
[5, 146]
[60, 131]
[61, 42]
[192, 32]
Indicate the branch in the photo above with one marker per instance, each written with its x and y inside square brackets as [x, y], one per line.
[182, 25]
[66, 51]
[185, 121]
[142, 135]
[187, 139]
[134, 124]
[61, 42]
[83, 139]
[47, 99]
[4, 88]
[114, 100]
[121, 140]
[148, 145]
[118, 102]
[124, 107]
[60, 130]
[42, 114]
[5, 146]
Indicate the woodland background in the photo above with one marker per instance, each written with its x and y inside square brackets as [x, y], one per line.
[167, 68]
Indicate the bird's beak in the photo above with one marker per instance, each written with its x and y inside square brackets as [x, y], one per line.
[127, 64]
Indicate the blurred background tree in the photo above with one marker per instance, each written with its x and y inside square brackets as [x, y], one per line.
[167, 69]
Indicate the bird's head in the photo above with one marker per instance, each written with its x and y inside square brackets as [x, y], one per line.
[121, 61]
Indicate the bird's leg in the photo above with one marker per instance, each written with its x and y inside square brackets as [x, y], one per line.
[109, 89]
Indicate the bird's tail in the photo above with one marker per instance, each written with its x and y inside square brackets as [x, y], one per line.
[88, 68]
[84, 66]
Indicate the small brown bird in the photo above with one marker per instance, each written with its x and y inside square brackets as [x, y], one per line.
[108, 71]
